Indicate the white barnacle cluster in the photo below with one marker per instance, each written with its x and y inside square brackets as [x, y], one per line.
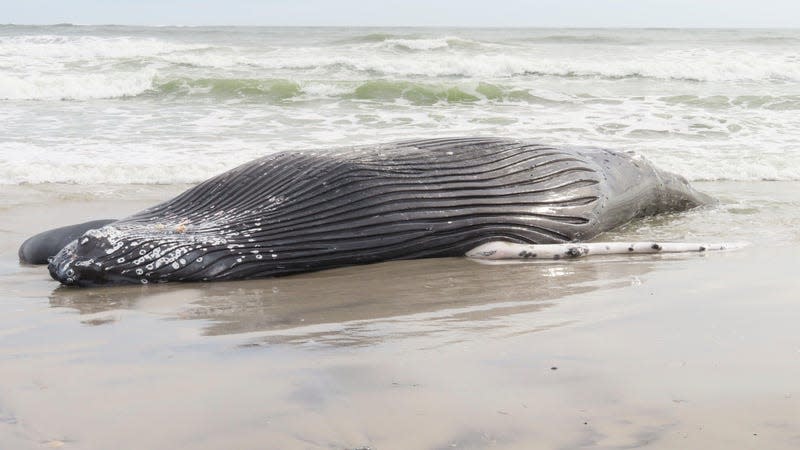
[209, 239]
[151, 247]
[84, 263]
[165, 254]
[110, 234]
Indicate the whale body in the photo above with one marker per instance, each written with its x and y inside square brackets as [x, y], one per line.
[301, 211]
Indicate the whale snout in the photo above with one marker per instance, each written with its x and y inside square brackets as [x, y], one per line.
[61, 267]
[78, 263]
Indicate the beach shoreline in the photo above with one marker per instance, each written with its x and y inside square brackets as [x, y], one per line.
[653, 351]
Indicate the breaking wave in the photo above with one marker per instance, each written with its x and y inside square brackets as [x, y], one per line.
[131, 105]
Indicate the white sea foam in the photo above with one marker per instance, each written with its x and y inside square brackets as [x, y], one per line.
[75, 86]
[425, 44]
[131, 163]
[690, 65]
[153, 105]
[417, 44]
[89, 47]
[317, 89]
[147, 163]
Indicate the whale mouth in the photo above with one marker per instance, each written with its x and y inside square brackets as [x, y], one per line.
[61, 265]
[71, 269]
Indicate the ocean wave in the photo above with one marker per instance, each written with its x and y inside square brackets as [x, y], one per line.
[426, 44]
[412, 42]
[396, 56]
[89, 47]
[108, 172]
[428, 94]
[148, 83]
[768, 102]
[368, 38]
[584, 39]
[76, 86]
[187, 170]
[271, 90]
[110, 164]
[698, 65]
[152, 162]
[772, 40]
[378, 90]
[194, 102]
[738, 166]
[224, 88]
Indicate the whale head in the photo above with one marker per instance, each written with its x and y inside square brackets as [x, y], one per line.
[129, 253]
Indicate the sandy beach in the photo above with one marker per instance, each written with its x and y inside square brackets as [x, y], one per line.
[692, 351]
[685, 351]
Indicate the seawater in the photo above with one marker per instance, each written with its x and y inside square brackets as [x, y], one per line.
[168, 105]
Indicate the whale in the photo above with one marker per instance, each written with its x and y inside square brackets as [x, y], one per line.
[299, 211]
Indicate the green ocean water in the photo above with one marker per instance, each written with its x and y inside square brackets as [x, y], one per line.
[84, 104]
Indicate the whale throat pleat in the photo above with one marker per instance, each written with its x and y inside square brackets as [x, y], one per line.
[308, 210]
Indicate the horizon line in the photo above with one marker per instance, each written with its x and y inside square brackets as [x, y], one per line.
[624, 27]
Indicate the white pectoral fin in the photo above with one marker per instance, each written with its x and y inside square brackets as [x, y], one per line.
[500, 250]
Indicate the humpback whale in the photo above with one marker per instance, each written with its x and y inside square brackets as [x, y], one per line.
[300, 211]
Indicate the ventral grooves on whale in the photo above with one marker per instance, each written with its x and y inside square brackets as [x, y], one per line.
[301, 211]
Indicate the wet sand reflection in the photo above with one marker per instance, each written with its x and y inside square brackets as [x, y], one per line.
[360, 305]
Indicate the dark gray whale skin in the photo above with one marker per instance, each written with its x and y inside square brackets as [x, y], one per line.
[38, 249]
[302, 211]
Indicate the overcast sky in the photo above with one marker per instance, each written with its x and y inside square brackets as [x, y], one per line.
[534, 13]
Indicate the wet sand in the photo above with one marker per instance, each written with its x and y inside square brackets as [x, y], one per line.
[688, 351]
